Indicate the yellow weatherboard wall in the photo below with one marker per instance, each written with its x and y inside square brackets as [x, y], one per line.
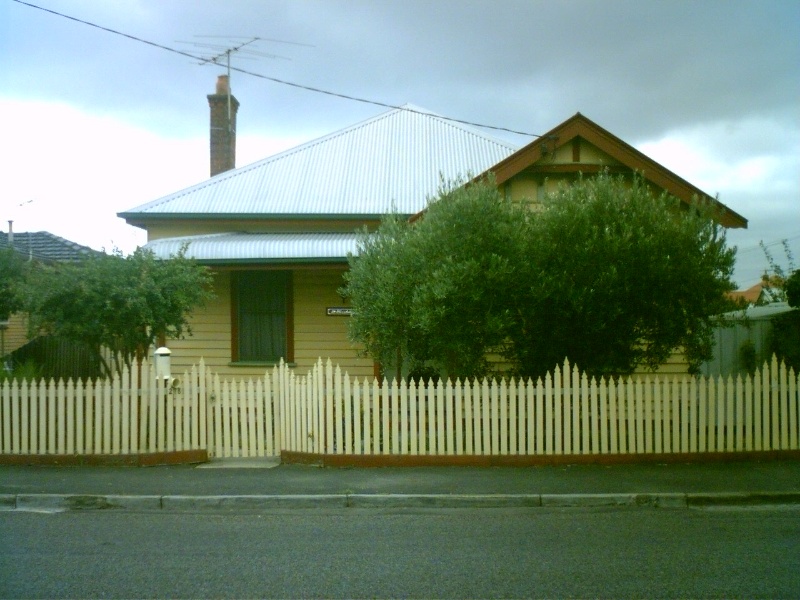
[316, 335]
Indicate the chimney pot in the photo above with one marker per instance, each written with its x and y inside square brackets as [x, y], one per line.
[222, 84]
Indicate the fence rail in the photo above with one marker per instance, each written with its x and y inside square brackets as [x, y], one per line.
[326, 412]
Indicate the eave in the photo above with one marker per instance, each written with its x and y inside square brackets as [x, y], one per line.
[143, 219]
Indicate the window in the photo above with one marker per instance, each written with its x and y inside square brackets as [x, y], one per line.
[262, 317]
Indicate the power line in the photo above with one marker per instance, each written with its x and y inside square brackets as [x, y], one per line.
[768, 244]
[268, 78]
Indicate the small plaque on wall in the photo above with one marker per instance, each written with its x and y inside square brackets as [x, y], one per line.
[339, 311]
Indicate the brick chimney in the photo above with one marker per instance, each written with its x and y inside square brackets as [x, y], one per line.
[223, 127]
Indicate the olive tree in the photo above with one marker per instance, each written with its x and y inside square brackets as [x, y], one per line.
[618, 277]
[379, 285]
[604, 273]
[431, 295]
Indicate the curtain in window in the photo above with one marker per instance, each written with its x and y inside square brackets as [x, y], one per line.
[262, 299]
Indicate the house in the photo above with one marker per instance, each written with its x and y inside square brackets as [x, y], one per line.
[763, 292]
[277, 233]
[40, 246]
[752, 296]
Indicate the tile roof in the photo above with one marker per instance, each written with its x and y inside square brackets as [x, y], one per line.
[44, 246]
[393, 160]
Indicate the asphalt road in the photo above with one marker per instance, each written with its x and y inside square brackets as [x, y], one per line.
[544, 552]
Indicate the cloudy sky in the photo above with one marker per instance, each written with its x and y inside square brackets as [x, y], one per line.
[96, 122]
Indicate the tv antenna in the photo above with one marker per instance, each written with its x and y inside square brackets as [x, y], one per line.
[242, 47]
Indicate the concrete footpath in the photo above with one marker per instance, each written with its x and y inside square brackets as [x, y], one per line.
[257, 484]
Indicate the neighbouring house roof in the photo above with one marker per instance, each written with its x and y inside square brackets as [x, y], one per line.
[751, 295]
[44, 246]
[392, 162]
[260, 248]
[578, 126]
[758, 293]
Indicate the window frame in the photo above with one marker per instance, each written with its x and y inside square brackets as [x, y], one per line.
[235, 277]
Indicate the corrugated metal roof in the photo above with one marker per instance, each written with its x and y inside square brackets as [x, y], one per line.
[260, 247]
[393, 160]
[756, 313]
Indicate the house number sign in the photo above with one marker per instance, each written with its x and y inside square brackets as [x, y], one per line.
[339, 311]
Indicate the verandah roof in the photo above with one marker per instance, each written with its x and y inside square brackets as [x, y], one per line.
[260, 248]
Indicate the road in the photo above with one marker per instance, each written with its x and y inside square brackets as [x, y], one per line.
[633, 552]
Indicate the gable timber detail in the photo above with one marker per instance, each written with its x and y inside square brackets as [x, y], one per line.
[580, 127]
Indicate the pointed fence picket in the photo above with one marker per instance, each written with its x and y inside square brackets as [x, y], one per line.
[99, 417]
[326, 412]
[565, 413]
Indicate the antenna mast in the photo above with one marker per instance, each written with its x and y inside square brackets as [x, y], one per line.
[215, 59]
[237, 48]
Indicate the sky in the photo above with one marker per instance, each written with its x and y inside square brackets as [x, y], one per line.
[97, 122]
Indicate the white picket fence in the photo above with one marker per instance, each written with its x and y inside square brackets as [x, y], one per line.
[135, 413]
[565, 413]
[325, 412]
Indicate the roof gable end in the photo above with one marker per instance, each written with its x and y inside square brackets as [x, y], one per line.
[579, 126]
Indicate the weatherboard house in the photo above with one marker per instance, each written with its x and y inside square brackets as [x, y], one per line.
[277, 233]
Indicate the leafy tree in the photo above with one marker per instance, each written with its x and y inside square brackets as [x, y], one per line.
[123, 304]
[379, 285]
[617, 278]
[785, 336]
[431, 294]
[12, 272]
[775, 279]
[792, 288]
[470, 245]
[783, 285]
[605, 274]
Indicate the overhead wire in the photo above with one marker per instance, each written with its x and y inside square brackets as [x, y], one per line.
[309, 88]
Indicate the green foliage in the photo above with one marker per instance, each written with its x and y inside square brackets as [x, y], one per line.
[430, 295]
[379, 285]
[123, 304]
[792, 288]
[775, 279]
[785, 338]
[607, 275]
[12, 273]
[619, 278]
[783, 285]
[27, 371]
[470, 242]
[747, 356]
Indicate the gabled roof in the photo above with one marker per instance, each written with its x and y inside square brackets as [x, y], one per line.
[390, 162]
[751, 295]
[579, 126]
[44, 246]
